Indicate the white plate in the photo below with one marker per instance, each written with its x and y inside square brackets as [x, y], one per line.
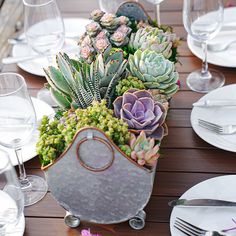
[218, 115]
[210, 218]
[16, 230]
[29, 150]
[73, 26]
[225, 58]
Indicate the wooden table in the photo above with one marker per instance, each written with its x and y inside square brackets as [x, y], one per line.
[185, 161]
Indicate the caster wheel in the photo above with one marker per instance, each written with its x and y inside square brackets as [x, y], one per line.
[138, 222]
[71, 220]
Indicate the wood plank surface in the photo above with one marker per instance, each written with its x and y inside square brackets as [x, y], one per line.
[185, 158]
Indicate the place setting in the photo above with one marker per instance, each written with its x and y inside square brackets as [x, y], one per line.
[208, 208]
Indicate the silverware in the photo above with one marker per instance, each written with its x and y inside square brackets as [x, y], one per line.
[201, 203]
[22, 40]
[192, 230]
[216, 47]
[12, 60]
[219, 129]
[215, 103]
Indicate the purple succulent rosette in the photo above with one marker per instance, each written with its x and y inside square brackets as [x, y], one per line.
[139, 109]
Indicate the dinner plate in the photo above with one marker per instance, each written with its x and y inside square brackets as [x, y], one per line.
[210, 218]
[29, 150]
[73, 26]
[224, 58]
[16, 230]
[219, 115]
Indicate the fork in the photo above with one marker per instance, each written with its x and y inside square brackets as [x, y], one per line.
[219, 129]
[192, 230]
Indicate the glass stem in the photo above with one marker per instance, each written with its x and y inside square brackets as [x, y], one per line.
[24, 182]
[205, 72]
[158, 17]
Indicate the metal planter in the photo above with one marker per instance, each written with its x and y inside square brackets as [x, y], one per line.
[95, 182]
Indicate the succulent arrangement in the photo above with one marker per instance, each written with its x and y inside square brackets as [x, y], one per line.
[121, 84]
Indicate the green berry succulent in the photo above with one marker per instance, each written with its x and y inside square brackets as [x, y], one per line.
[56, 135]
[129, 83]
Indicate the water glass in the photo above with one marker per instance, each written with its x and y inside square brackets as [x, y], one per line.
[17, 125]
[203, 20]
[157, 3]
[11, 196]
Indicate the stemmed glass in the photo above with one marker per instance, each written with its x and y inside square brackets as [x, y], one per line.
[17, 124]
[111, 6]
[203, 20]
[11, 197]
[157, 3]
[44, 31]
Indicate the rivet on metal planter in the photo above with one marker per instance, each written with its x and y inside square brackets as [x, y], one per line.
[138, 222]
[71, 220]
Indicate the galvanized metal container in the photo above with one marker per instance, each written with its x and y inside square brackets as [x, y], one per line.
[95, 182]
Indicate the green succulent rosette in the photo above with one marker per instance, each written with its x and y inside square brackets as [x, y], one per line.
[155, 71]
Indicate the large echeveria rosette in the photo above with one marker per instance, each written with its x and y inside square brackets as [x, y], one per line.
[141, 112]
[155, 71]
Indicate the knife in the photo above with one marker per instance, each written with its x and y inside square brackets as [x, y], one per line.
[215, 103]
[201, 203]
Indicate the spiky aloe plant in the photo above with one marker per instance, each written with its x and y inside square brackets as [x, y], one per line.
[75, 84]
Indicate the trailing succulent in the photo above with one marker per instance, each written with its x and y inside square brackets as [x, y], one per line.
[141, 112]
[155, 71]
[56, 135]
[155, 39]
[105, 31]
[76, 84]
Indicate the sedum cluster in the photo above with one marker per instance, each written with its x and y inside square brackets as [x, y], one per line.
[56, 135]
[129, 83]
[105, 31]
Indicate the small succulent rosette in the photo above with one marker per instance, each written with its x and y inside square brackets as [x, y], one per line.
[141, 112]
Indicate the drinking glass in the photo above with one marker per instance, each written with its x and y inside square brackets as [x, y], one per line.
[203, 20]
[11, 197]
[45, 32]
[157, 3]
[17, 124]
[111, 6]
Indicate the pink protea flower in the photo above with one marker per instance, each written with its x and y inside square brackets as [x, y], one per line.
[101, 44]
[123, 20]
[107, 18]
[124, 29]
[86, 41]
[101, 35]
[118, 36]
[93, 28]
[97, 14]
[85, 232]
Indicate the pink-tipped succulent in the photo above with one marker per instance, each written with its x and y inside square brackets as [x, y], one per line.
[93, 28]
[142, 113]
[143, 150]
[96, 15]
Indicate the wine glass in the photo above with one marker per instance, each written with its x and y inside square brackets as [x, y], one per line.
[111, 6]
[17, 124]
[203, 20]
[45, 33]
[157, 3]
[11, 196]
